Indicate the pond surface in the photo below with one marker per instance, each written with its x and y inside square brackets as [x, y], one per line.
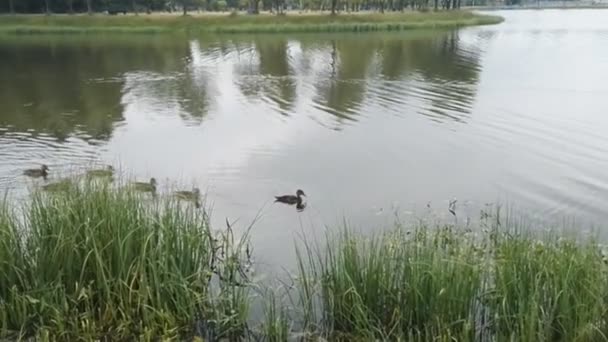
[369, 126]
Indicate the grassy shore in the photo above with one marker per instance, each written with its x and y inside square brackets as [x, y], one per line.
[242, 23]
[96, 262]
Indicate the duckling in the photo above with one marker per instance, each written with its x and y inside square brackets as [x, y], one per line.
[146, 187]
[62, 185]
[107, 172]
[192, 196]
[291, 199]
[43, 171]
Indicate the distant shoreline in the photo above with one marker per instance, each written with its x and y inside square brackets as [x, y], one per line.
[291, 22]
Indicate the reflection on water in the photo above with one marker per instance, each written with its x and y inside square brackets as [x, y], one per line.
[67, 89]
[371, 126]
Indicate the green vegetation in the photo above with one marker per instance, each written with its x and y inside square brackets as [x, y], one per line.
[241, 23]
[98, 262]
[93, 262]
[443, 284]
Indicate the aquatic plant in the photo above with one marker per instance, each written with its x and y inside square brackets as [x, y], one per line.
[97, 262]
[444, 283]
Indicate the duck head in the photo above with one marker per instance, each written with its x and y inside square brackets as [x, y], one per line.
[153, 181]
[300, 193]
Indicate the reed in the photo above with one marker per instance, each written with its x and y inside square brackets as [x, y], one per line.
[95, 262]
[442, 283]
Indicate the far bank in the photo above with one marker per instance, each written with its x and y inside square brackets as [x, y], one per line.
[241, 23]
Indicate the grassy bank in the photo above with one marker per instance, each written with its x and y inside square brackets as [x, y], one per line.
[37, 24]
[95, 262]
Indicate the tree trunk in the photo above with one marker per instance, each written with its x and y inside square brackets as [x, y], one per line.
[436, 5]
[47, 7]
[70, 6]
[134, 7]
[254, 7]
[334, 4]
[89, 7]
[11, 6]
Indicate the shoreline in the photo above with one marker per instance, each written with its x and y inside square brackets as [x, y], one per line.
[241, 23]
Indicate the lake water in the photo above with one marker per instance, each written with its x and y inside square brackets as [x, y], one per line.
[369, 126]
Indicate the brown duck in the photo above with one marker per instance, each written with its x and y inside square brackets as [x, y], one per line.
[291, 199]
[43, 171]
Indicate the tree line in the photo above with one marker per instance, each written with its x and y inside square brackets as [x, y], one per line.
[92, 6]
[184, 6]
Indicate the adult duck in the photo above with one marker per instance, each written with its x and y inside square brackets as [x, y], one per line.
[291, 199]
[146, 187]
[43, 171]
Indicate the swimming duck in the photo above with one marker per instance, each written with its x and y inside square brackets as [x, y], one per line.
[107, 172]
[62, 185]
[192, 196]
[146, 187]
[43, 171]
[291, 199]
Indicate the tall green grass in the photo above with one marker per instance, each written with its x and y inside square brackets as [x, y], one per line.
[548, 290]
[445, 284]
[100, 263]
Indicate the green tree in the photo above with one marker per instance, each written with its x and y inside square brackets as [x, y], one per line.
[222, 5]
